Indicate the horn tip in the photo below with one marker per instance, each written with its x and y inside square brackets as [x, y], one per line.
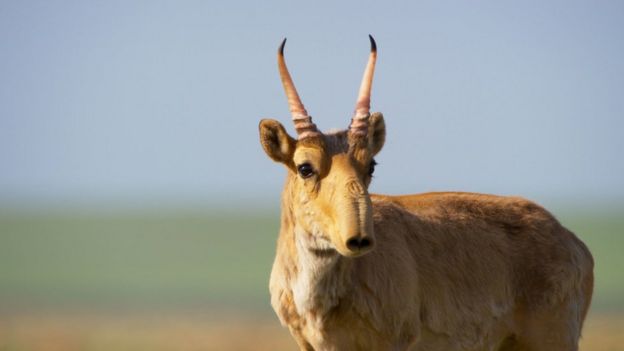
[373, 44]
[281, 47]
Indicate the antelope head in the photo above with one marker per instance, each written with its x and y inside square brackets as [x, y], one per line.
[328, 173]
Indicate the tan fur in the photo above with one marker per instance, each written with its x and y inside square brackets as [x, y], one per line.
[447, 271]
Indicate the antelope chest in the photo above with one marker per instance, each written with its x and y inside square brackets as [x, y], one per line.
[308, 301]
[317, 305]
[334, 328]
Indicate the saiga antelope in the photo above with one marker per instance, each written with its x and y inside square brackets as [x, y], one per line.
[435, 271]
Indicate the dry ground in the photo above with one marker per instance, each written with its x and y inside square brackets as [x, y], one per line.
[73, 332]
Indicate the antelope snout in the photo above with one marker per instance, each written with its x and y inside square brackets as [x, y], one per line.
[360, 244]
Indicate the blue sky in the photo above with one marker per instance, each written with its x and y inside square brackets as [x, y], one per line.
[149, 101]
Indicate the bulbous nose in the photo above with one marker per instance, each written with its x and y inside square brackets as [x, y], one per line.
[360, 244]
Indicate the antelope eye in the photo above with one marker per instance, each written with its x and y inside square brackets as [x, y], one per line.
[305, 170]
[371, 168]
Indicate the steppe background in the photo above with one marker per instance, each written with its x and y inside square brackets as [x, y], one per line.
[138, 211]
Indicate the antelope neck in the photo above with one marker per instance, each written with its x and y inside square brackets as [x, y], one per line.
[321, 279]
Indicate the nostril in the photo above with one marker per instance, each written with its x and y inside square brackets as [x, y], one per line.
[364, 243]
[353, 244]
[357, 244]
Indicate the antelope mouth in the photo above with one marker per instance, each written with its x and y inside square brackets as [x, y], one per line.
[358, 253]
[323, 252]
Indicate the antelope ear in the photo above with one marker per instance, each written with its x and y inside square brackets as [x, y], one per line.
[376, 132]
[276, 142]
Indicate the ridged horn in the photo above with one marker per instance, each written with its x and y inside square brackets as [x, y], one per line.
[359, 121]
[303, 123]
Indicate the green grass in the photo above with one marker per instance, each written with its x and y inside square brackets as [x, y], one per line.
[191, 259]
[604, 235]
[157, 259]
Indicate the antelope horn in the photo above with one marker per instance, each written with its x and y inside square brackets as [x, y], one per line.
[303, 123]
[359, 121]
